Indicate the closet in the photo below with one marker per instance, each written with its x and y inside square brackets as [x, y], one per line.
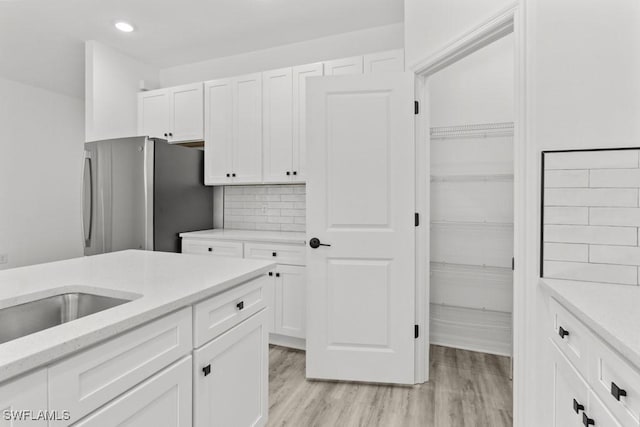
[471, 195]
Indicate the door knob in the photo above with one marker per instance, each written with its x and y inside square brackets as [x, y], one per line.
[315, 243]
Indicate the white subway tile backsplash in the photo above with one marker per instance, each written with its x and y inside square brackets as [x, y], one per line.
[615, 178]
[566, 178]
[566, 215]
[590, 234]
[566, 252]
[621, 274]
[611, 197]
[615, 216]
[613, 159]
[624, 255]
[265, 207]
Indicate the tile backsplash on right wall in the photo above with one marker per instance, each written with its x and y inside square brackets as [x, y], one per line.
[591, 216]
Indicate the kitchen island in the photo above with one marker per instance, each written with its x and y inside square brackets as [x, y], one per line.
[193, 335]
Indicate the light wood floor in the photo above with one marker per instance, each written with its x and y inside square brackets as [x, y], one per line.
[466, 389]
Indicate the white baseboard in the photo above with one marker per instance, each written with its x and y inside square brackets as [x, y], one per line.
[285, 341]
[471, 329]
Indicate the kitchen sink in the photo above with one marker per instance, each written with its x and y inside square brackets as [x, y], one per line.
[24, 319]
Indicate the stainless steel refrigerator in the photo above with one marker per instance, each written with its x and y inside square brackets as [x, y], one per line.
[140, 192]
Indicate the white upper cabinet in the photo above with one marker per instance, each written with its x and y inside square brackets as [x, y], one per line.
[277, 136]
[385, 62]
[233, 130]
[187, 115]
[218, 125]
[174, 114]
[300, 75]
[341, 67]
[153, 113]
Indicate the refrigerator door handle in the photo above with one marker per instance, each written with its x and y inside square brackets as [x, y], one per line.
[88, 180]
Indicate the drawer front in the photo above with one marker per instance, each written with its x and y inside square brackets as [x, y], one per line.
[282, 254]
[612, 376]
[222, 312]
[85, 382]
[162, 400]
[577, 339]
[212, 247]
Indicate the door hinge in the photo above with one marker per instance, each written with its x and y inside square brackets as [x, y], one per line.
[513, 264]
[416, 219]
[416, 107]
[416, 331]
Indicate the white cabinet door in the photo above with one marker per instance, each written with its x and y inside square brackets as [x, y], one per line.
[300, 75]
[153, 113]
[570, 394]
[600, 414]
[341, 67]
[218, 141]
[27, 393]
[162, 400]
[389, 61]
[277, 136]
[247, 129]
[361, 197]
[290, 301]
[186, 110]
[231, 377]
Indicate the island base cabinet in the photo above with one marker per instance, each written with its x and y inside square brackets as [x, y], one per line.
[162, 400]
[28, 393]
[231, 377]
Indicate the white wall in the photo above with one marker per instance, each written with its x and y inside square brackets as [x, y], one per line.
[112, 81]
[583, 91]
[477, 89]
[337, 46]
[41, 149]
[430, 25]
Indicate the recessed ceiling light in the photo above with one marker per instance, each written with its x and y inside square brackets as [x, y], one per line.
[124, 27]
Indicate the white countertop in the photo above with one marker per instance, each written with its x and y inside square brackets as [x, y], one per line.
[611, 311]
[162, 282]
[248, 235]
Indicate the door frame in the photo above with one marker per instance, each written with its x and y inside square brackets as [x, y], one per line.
[507, 21]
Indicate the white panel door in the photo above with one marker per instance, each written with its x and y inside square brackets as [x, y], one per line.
[300, 75]
[218, 141]
[162, 400]
[277, 130]
[153, 113]
[570, 392]
[27, 393]
[290, 301]
[187, 114]
[342, 67]
[247, 129]
[361, 201]
[384, 62]
[231, 377]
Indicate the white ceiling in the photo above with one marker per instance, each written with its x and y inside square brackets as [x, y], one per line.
[41, 41]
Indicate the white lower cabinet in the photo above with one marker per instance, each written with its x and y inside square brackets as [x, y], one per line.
[592, 385]
[290, 301]
[27, 393]
[162, 400]
[231, 377]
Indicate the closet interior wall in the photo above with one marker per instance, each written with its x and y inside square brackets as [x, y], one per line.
[472, 201]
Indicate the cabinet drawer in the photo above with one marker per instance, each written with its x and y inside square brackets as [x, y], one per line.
[609, 372]
[212, 247]
[220, 313]
[85, 382]
[280, 253]
[162, 400]
[576, 340]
